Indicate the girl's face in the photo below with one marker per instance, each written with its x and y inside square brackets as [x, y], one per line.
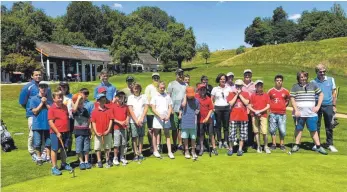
[136, 91]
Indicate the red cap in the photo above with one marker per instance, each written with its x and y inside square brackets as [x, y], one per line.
[101, 89]
[201, 85]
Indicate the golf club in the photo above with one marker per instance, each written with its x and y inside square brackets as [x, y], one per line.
[125, 147]
[161, 140]
[208, 139]
[72, 170]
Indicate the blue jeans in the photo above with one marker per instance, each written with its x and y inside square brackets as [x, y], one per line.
[82, 143]
[277, 121]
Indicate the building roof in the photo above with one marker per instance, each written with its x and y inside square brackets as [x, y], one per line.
[73, 52]
[146, 58]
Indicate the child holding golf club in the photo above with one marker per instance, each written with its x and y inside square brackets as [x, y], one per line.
[58, 119]
[102, 119]
[81, 130]
[188, 114]
[121, 122]
[138, 106]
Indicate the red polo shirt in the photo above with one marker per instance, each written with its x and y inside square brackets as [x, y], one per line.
[205, 106]
[259, 102]
[101, 118]
[238, 110]
[60, 117]
[120, 113]
[278, 99]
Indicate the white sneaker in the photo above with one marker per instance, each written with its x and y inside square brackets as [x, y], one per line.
[156, 154]
[115, 162]
[186, 155]
[124, 161]
[171, 156]
[195, 157]
[332, 149]
[259, 150]
[267, 150]
[314, 148]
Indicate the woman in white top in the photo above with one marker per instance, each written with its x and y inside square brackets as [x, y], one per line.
[219, 96]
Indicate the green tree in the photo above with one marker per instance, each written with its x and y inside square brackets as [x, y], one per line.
[205, 52]
[18, 62]
[259, 33]
[338, 11]
[154, 15]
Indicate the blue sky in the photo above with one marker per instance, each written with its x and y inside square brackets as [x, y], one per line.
[219, 24]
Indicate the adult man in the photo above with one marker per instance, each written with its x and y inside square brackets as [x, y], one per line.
[110, 89]
[130, 82]
[209, 87]
[302, 96]
[249, 87]
[230, 79]
[27, 93]
[176, 90]
[328, 107]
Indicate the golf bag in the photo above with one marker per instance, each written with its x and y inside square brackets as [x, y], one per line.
[7, 143]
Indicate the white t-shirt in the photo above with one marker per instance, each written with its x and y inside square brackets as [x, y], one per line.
[220, 95]
[162, 103]
[138, 103]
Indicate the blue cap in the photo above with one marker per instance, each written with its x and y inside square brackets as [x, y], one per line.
[98, 96]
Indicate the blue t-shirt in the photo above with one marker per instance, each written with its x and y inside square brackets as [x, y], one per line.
[40, 121]
[189, 114]
[89, 106]
[110, 90]
[28, 91]
[327, 86]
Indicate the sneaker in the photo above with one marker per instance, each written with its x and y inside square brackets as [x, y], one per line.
[44, 156]
[180, 147]
[267, 150]
[66, 166]
[55, 171]
[171, 156]
[214, 151]
[109, 163]
[230, 152]
[39, 162]
[225, 145]
[115, 162]
[239, 153]
[136, 158]
[88, 165]
[141, 158]
[201, 152]
[295, 148]
[187, 155]
[332, 149]
[124, 161]
[34, 157]
[321, 150]
[100, 164]
[283, 148]
[220, 144]
[48, 159]
[82, 166]
[314, 148]
[156, 154]
[259, 150]
[195, 157]
[273, 147]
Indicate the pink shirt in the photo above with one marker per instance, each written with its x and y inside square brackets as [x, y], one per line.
[250, 88]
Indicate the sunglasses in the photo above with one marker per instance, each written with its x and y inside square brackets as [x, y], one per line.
[156, 77]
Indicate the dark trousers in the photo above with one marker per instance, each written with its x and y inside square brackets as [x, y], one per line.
[250, 140]
[327, 112]
[222, 117]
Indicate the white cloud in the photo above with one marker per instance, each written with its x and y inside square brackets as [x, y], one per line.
[294, 16]
[117, 6]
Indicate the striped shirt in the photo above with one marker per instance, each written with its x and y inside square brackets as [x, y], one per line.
[305, 98]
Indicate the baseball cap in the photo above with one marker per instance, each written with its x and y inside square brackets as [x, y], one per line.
[43, 83]
[155, 74]
[239, 82]
[190, 92]
[129, 77]
[258, 81]
[247, 71]
[63, 83]
[201, 85]
[179, 70]
[100, 95]
[75, 97]
[230, 74]
[101, 89]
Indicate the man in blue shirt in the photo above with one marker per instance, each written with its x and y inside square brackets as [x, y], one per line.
[110, 89]
[28, 91]
[328, 107]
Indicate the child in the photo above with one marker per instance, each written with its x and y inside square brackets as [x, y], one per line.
[138, 106]
[162, 107]
[81, 130]
[101, 119]
[188, 111]
[121, 121]
[39, 105]
[205, 120]
[58, 119]
[238, 101]
[259, 104]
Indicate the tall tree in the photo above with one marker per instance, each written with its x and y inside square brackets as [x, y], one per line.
[338, 11]
[258, 33]
[154, 15]
[205, 52]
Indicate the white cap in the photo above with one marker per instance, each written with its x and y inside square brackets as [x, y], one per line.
[247, 71]
[239, 82]
[258, 81]
[230, 74]
[43, 83]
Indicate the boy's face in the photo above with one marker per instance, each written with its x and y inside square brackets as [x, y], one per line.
[247, 76]
[186, 80]
[203, 91]
[136, 91]
[36, 76]
[161, 88]
[278, 82]
[239, 87]
[205, 81]
[104, 77]
[303, 79]
[43, 90]
[130, 83]
[85, 95]
[259, 87]
[58, 100]
[81, 103]
[155, 78]
[102, 100]
[230, 78]
[63, 89]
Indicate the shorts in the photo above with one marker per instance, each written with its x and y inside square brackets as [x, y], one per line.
[175, 122]
[37, 142]
[150, 121]
[137, 131]
[82, 143]
[55, 143]
[188, 133]
[243, 125]
[206, 128]
[98, 142]
[120, 136]
[277, 121]
[311, 123]
[166, 132]
[259, 124]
